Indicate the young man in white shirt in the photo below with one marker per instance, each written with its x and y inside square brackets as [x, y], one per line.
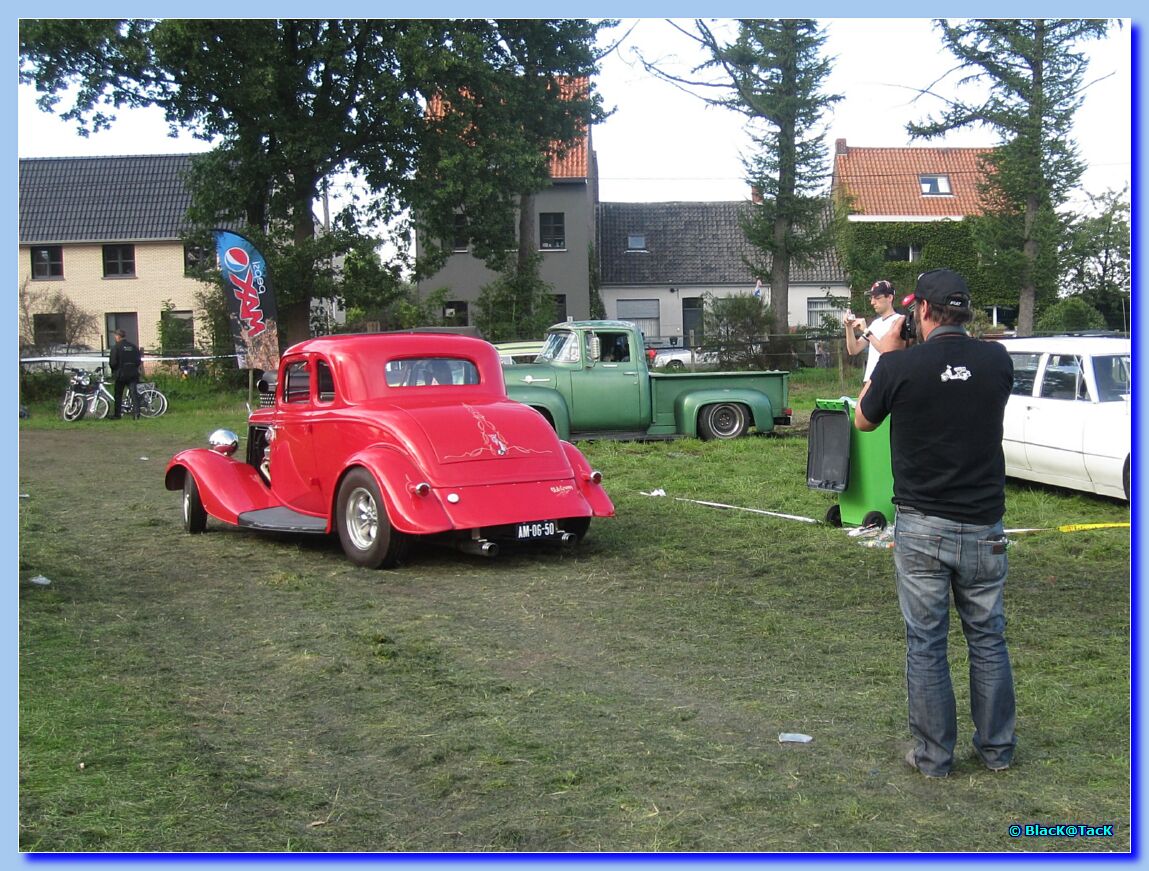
[881, 295]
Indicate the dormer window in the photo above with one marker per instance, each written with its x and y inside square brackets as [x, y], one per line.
[935, 185]
[636, 242]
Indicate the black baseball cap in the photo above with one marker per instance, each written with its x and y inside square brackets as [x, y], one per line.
[940, 287]
[880, 288]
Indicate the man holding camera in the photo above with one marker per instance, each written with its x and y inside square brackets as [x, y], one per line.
[946, 398]
[881, 294]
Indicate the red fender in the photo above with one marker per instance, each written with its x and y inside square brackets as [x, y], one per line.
[593, 492]
[227, 487]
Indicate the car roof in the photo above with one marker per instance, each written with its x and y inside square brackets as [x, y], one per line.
[1090, 345]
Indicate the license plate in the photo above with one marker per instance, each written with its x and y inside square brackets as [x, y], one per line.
[538, 529]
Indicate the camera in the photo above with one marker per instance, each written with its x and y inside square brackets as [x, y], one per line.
[907, 334]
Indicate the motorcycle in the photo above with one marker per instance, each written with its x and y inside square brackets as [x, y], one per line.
[88, 395]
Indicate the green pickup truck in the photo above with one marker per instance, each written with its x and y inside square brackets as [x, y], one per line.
[592, 381]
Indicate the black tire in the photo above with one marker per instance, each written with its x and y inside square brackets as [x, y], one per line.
[723, 420]
[874, 518]
[675, 364]
[576, 525]
[195, 517]
[152, 403]
[1126, 479]
[73, 407]
[365, 532]
[834, 515]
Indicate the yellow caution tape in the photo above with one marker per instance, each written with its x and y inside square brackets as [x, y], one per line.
[1070, 527]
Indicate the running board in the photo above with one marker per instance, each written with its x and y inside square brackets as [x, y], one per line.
[282, 520]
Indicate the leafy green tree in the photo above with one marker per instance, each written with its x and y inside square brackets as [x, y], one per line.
[738, 330]
[1035, 79]
[1070, 315]
[1096, 258]
[292, 104]
[773, 72]
[516, 305]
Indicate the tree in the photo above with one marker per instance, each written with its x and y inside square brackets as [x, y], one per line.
[773, 74]
[51, 317]
[516, 305]
[1071, 315]
[738, 330]
[294, 103]
[1035, 80]
[1096, 258]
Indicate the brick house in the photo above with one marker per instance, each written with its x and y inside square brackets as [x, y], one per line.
[106, 232]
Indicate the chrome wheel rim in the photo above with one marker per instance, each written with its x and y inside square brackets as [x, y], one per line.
[362, 518]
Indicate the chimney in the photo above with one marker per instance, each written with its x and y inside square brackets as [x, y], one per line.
[840, 147]
[755, 195]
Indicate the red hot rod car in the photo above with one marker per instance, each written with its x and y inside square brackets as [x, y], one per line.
[388, 437]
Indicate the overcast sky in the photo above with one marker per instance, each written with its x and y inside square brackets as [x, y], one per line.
[662, 144]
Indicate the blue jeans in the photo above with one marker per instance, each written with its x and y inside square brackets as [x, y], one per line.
[933, 556]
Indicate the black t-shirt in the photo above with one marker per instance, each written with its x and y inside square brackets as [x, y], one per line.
[946, 401]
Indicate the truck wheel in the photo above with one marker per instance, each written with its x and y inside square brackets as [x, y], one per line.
[675, 364]
[366, 534]
[723, 420]
[195, 517]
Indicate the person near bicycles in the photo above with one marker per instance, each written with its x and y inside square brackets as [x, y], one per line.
[125, 361]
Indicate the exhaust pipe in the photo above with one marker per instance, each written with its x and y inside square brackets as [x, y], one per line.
[479, 547]
[568, 538]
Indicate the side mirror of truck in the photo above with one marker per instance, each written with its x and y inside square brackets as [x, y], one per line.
[594, 349]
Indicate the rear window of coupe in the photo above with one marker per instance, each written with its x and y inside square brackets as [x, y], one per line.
[431, 372]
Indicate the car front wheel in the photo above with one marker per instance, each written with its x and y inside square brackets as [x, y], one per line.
[195, 517]
[366, 534]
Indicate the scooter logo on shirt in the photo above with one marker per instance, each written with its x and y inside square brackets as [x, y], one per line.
[961, 373]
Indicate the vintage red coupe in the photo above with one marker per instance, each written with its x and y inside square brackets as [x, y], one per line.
[385, 438]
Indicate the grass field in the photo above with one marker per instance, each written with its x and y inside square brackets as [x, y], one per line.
[237, 692]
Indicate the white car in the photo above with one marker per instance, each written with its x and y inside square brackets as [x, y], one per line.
[1067, 422]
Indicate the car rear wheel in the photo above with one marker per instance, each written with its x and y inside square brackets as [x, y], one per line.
[723, 420]
[365, 532]
[1125, 479]
[195, 517]
[675, 364]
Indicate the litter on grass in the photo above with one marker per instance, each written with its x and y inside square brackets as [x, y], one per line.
[40, 580]
[794, 738]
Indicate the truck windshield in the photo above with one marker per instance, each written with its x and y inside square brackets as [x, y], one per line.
[430, 371]
[561, 347]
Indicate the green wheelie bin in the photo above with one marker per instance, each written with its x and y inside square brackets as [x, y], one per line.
[853, 464]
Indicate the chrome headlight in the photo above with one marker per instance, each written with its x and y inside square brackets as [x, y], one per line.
[223, 441]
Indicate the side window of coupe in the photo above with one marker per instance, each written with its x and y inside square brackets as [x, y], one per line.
[325, 382]
[296, 382]
[1063, 378]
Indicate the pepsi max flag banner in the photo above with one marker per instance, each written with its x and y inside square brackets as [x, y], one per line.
[250, 301]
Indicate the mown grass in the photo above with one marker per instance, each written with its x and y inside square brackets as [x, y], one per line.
[238, 692]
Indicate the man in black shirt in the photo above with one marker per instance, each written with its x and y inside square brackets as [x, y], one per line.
[125, 361]
[946, 399]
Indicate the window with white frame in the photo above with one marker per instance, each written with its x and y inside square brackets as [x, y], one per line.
[935, 185]
[635, 241]
[819, 306]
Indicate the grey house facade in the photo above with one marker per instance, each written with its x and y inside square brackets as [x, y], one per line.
[659, 261]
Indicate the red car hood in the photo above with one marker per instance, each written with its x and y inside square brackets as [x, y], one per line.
[503, 439]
